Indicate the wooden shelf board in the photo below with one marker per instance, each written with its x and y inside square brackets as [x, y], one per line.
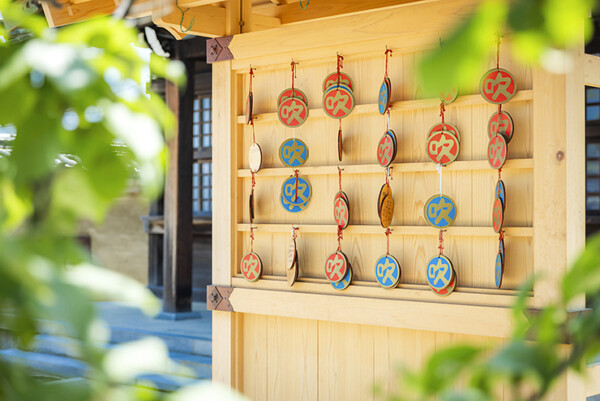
[420, 167]
[404, 105]
[396, 230]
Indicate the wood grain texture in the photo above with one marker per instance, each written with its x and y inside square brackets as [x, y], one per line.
[352, 339]
[591, 70]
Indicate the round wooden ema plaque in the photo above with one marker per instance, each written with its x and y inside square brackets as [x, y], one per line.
[289, 200]
[501, 123]
[501, 248]
[292, 112]
[340, 145]
[341, 212]
[439, 272]
[387, 271]
[386, 149]
[332, 79]
[249, 106]
[439, 127]
[448, 290]
[497, 86]
[338, 101]
[336, 267]
[255, 157]
[293, 152]
[384, 97]
[392, 134]
[440, 211]
[292, 274]
[251, 207]
[450, 96]
[499, 270]
[288, 93]
[501, 192]
[385, 191]
[342, 194]
[498, 215]
[443, 147]
[345, 282]
[292, 255]
[251, 266]
[497, 152]
[387, 211]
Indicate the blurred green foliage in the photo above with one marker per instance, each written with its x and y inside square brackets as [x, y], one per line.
[534, 357]
[537, 29]
[79, 142]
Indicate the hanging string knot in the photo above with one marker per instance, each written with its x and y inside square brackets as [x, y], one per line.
[340, 177]
[293, 64]
[388, 53]
[296, 194]
[441, 246]
[387, 235]
[294, 233]
[442, 113]
[251, 73]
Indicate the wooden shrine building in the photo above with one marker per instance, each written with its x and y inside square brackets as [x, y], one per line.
[309, 341]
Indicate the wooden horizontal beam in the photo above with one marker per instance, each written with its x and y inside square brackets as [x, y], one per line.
[70, 13]
[207, 21]
[321, 9]
[370, 289]
[403, 105]
[396, 230]
[430, 316]
[421, 27]
[423, 167]
[591, 70]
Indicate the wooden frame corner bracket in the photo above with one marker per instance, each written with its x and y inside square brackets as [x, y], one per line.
[217, 298]
[217, 49]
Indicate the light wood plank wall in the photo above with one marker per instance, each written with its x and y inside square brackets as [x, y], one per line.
[301, 359]
[472, 190]
[277, 357]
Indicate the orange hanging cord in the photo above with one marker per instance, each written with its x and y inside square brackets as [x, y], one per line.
[340, 237]
[293, 64]
[340, 65]
[441, 245]
[388, 53]
[443, 114]
[296, 191]
[498, 64]
[251, 73]
[340, 177]
[387, 235]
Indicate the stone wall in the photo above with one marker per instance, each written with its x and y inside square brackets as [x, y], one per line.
[120, 243]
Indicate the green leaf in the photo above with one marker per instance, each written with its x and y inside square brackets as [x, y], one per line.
[446, 365]
[461, 59]
[584, 276]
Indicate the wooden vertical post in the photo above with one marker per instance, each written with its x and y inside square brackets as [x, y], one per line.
[155, 250]
[177, 293]
[225, 101]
